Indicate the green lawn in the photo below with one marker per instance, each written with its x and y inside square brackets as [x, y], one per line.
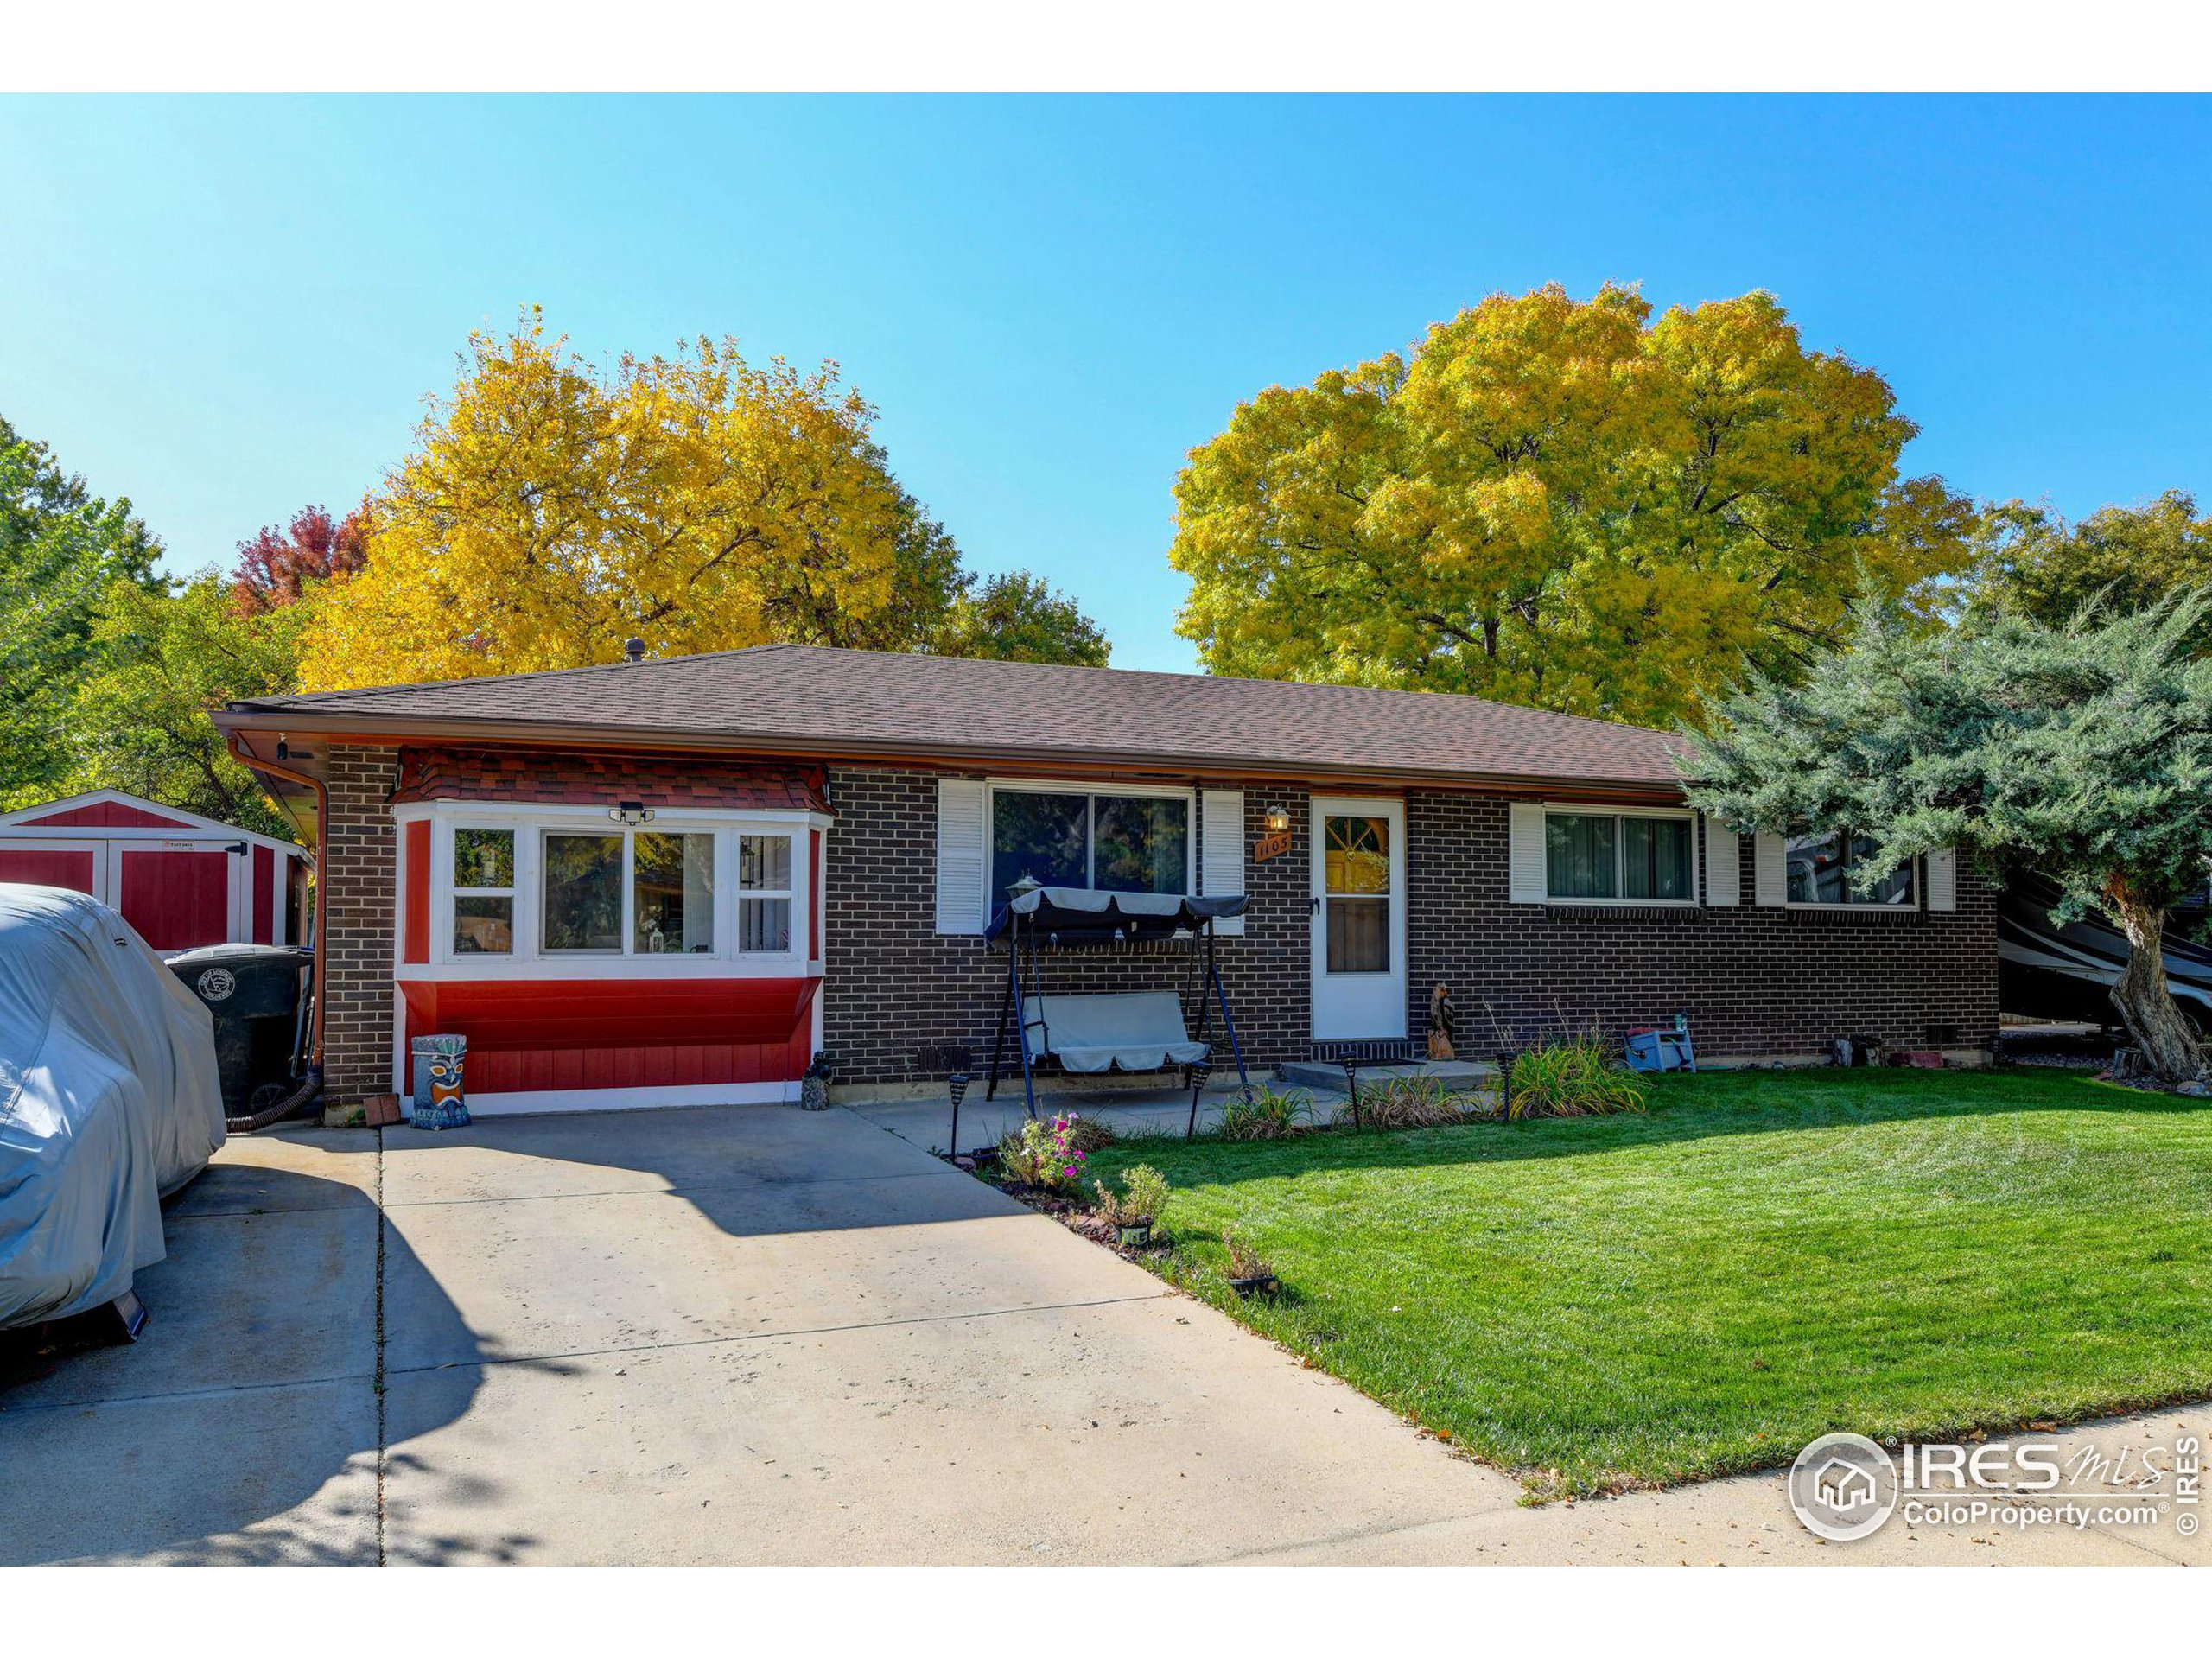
[1766, 1256]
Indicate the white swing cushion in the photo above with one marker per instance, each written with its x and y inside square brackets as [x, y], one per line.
[1138, 1031]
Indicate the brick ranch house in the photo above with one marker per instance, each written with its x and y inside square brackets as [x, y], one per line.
[830, 829]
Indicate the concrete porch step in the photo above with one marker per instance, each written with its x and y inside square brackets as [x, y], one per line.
[1327, 1074]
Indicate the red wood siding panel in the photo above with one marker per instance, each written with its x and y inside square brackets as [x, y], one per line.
[110, 815]
[610, 1013]
[417, 854]
[69, 868]
[814, 899]
[538, 1035]
[178, 900]
[265, 896]
[538, 1070]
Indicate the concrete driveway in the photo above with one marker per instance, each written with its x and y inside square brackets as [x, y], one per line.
[745, 1335]
[742, 1335]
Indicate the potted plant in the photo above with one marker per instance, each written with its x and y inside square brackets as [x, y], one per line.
[1041, 1154]
[1133, 1210]
[1248, 1275]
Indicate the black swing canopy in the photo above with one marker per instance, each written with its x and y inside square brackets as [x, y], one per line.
[1081, 916]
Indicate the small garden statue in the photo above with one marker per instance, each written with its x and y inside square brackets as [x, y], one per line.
[814, 1086]
[1443, 1024]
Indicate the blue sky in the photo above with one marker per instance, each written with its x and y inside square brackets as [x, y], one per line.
[224, 308]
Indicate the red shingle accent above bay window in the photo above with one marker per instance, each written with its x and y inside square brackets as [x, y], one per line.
[663, 782]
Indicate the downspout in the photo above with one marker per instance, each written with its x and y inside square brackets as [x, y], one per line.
[322, 896]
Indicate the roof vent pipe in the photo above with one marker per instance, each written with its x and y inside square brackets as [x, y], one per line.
[634, 649]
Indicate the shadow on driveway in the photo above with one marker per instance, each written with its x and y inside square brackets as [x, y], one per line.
[244, 1426]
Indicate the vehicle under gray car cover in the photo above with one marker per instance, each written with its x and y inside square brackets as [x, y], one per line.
[109, 1099]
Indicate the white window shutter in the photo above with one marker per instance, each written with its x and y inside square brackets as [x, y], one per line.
[1943, 879]
[1221, 841]
[1525, 854]
[960, 855]
[1724, 864]
[1769, 869]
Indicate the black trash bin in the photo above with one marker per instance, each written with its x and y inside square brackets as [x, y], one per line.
[254, 992]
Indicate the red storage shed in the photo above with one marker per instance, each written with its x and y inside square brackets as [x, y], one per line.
[180, 879]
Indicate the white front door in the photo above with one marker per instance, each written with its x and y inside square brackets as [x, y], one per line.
[1359, 918]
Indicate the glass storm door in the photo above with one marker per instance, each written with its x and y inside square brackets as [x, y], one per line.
[1359, 918]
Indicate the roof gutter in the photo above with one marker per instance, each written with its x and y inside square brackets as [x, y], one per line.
[252, 762]
[982, 756]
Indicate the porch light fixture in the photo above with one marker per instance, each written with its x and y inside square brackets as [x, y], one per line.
[631, 812]
[1278, 820]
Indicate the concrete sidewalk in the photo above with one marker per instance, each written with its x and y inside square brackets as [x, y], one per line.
[750, 1335]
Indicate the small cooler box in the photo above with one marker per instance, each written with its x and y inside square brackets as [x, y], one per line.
[1662, 1049]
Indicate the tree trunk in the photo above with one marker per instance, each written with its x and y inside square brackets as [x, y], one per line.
[2168, 1043]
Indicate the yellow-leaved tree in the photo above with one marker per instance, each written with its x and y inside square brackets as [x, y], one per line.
[1563, 503]
[552, 510]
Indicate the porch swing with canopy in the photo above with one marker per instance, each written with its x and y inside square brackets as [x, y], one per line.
[1095, 1031]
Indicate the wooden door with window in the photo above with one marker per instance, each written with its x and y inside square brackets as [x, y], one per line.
[1359, 918]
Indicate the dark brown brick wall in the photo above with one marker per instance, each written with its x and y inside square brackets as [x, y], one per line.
[358, 887]
[1752, 981]
[895, 984]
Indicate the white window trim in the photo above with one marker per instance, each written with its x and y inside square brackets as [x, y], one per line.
[531, 822]
[444, 894]
[790, 892]
[994, 788]
[1606, 810]
[1857, 907]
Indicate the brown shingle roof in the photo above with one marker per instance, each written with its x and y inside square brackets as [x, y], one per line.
[814, 698]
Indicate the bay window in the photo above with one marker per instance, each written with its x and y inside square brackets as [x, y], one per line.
[1822, 867]
[1111, 841]
[550, 891]
[1591, 854]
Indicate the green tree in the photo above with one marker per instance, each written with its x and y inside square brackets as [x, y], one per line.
[2035, 563]
[60, 550]
[1561, 504]
[1017, 617]
[2082, 751]
[162, 659]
